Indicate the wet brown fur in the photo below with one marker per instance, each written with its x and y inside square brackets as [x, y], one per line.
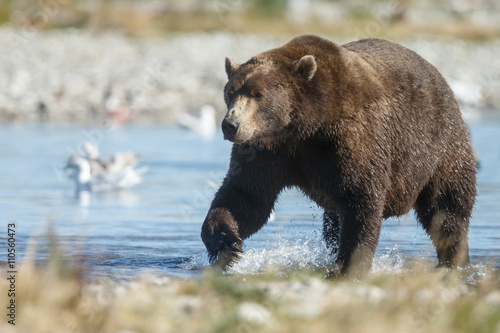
[375, 132]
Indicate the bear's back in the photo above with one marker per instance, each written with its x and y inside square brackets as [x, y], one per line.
[399, 65]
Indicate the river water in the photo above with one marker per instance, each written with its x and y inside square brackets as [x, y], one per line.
[155, 226]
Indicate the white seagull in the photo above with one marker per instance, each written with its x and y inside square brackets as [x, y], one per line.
[93, 174]
[204, 125]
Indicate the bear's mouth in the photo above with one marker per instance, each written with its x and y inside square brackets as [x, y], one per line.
[236, 139]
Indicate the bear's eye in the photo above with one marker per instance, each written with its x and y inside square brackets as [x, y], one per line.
[257, 95]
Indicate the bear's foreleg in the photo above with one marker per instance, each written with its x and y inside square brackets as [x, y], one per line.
[359, 236]
[331, 231]
[243, 203]
[235, 215]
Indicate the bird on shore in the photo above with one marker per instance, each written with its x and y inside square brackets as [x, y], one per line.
[204, 125]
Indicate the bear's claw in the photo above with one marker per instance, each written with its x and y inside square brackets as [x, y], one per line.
[221, 238]
[226, 255]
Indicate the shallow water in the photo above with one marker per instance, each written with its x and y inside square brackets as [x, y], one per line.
[155, 226]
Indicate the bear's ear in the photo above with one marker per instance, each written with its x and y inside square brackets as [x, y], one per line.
[231, 67]
[306, 67]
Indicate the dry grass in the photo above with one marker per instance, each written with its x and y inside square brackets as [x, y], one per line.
[5, 10]
[156, 23]
[143, 25]
[52, 299]
[347, 27]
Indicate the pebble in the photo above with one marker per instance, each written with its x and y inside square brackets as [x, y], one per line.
[371, 294]
[253, 313]
[493, 298]
[188, 304]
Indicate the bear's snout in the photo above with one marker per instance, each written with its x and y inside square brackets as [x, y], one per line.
[229, 128]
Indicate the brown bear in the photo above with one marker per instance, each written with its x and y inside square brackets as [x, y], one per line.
[367, 130]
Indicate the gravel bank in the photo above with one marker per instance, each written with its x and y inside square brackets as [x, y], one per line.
[73, 75]
[420, 300]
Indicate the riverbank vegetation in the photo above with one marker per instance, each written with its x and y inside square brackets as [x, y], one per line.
[59, 297]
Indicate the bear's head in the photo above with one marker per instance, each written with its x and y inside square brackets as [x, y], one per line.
[262, 96]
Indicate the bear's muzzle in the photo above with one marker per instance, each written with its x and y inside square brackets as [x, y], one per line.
[230, 128]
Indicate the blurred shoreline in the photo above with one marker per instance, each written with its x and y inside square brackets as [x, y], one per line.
[151, 61]
[73, 75]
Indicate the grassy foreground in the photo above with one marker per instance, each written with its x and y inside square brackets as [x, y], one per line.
[420, 300]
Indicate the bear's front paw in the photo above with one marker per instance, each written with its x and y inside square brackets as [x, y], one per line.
[224, 247]
[226, 256]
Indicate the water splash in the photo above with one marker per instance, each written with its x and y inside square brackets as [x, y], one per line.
[311, 254]
[477, 271]
[391, 261]
[196, 262]
[284, 253]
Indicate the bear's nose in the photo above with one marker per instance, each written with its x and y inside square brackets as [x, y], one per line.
[229, 128]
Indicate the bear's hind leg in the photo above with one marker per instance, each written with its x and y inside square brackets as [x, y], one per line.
[448, 233]
[445, 218]
[331, 231]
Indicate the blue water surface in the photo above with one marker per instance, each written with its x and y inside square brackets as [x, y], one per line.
[155, 227]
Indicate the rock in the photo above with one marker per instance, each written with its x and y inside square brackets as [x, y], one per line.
[493, 298]
[253, 313]
[371, 294]
[188, 304]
